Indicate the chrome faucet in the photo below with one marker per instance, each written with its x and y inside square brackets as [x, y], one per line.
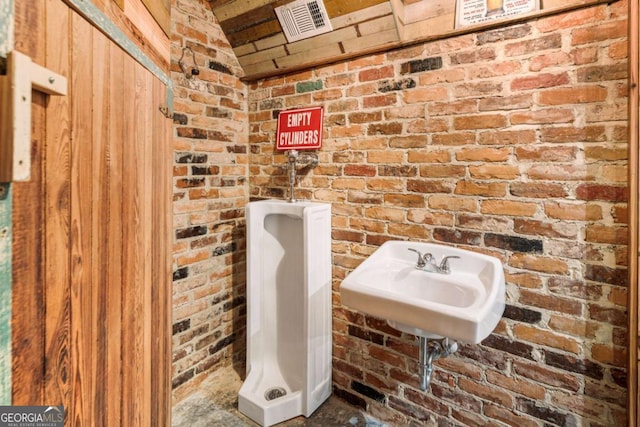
[427, 262]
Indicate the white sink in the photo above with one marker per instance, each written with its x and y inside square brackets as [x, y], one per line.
[465, 305]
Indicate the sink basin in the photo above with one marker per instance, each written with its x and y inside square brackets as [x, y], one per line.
[465, 305]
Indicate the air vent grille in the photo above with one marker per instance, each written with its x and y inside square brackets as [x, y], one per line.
[303, 19]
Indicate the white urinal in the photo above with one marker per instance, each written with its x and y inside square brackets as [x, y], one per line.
[288, 310]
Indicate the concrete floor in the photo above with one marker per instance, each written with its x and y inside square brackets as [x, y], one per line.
[215, 404]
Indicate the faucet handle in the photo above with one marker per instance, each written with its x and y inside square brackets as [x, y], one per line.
[421, 263]
[444, 264]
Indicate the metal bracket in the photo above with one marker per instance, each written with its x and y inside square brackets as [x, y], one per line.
[166, 111]
[15, 112]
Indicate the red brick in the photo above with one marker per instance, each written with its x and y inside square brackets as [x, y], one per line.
[619, 50]
[515, 102]
[471, 419]
[491, 394]
[620, 214]
[476, 55]
[559, 173]
[455, 398]
[495, 69]
[484, 222]
[454, 138]
[346, 131]
[414, 141]
[573, 134]
[415, 231]
[426, 95]
[367, 225]
[573, 95]
[455, 107]
[442, 171]
[611, 193]
[192, 258]
[384, 184]
[597, 33]
[338, 80]
[546, 153]
[379, 101]
[405, 200]
[363, 197]
[428, 186]
[572, 19]
[359, 91]
[453, 203]
[487, 121]
[501, 172]
[584, 55]
[494, 189]
[483, 154]
[547, 338]
[544, 375]
[459, 366]
[405, 112]
[609, 354]
[554, 229]
[605, 234]
[483, 89]
[554, 59]
[583, 406]
[524, 280]
[573, 211]
[546, 42]
[508, 417]
[601, 73]
[537, 190]
[574, 327]
[550, 302]
[430, 125]
[346, 235]
[539, 81]
[429, 217]
[441, 76]
[517, 385]
[508, 137]
[546, 116]
[615, 316]
[362, 117]
[212, 193]
[387, 128]
[429, 156]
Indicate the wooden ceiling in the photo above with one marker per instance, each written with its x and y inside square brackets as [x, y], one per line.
[359, 27]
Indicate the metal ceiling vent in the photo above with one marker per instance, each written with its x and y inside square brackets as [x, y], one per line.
[303, 19]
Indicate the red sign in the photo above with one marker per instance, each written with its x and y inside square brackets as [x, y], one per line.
[300, 129]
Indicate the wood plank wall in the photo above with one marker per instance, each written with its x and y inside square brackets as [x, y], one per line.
[92, 271]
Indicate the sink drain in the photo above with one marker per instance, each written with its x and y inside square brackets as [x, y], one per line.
[274, 393]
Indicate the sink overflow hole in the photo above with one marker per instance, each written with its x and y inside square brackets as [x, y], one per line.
[274, 393]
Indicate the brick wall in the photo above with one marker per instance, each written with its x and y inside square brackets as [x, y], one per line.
[511, 142]
[210, 191]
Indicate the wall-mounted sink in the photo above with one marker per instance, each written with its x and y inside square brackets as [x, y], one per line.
[464, 305]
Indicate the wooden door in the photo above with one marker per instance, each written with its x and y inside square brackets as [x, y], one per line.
[91, 263]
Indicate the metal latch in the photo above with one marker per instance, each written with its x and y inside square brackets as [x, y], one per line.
[23, 75]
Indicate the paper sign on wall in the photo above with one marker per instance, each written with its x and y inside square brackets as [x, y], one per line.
[300, 129]
[471, 12]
